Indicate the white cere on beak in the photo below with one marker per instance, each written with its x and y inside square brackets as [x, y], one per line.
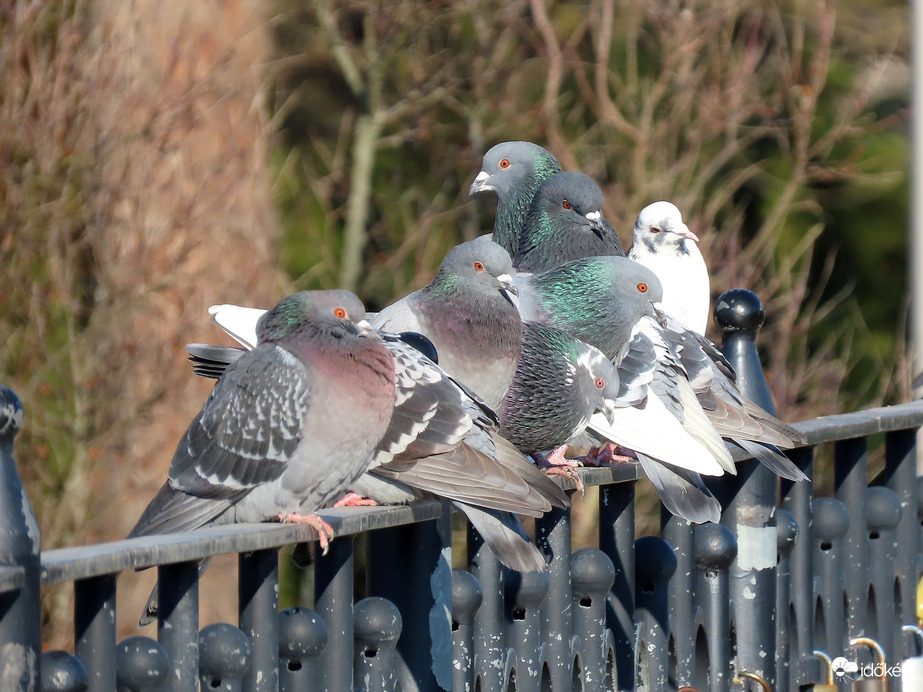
[364, 324]
[594, 215]
[504, 278]
[481, 177]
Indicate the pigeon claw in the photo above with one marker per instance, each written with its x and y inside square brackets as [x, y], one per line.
[352, 499]
[324, 530]
[557, 464]
[611, 453]
[559, 458]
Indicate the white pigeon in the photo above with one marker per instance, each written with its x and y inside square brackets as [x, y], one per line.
[666, 246]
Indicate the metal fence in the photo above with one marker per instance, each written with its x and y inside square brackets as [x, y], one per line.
[754, 602]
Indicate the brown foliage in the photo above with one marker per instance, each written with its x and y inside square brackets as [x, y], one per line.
[133, 195]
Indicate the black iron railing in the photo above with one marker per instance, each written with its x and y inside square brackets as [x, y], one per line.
[718, 606]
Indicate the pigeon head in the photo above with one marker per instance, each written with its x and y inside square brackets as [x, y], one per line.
[573, 201]
[478, 264]
[338, 313]
[514, 166]
[565, 222]
[597, 379]
[597, 299]
[513, 170]
[660, 228]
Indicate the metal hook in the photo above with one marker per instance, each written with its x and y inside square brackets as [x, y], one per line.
[873, 645]
[916, 632]
[759, 680]
[828, 664]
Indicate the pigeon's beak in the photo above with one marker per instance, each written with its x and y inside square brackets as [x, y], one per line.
[364, 327]
[658, 315]
[609, 411]
[506, 284]
[684, 232]
[479, 184]
[597, 223]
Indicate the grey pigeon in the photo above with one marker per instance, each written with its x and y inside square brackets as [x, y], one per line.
[559, 384]
[514, 171]
[442, 441]
[666, 246]
[288, 426]
[598, 298]
[565, 222]
[466, 312]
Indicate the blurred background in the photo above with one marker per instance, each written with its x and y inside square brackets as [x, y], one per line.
[156, 158]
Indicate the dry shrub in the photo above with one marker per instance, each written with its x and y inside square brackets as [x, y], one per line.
[133, 194]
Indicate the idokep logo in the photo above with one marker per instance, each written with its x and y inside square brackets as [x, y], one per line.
[843, 668]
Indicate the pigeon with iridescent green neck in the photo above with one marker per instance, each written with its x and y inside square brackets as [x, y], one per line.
[565, 222]
[608, 302]
[467, 314]
[514, 171]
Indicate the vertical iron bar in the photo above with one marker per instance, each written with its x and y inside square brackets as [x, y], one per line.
[489, 641]
[592, 574]
[525, 594]
[850, 482]
[901, 477]
[333, 601]
[749, 500]
[258, 607]
[94, 630]
[656, 564]
[617, 541]
[422, 592]
[554, 540]
[831, 522]
[178, 622]
[715, 549]
[797, 497]
[680, 534]
[466, 599]
[20, 610]
[786, 658]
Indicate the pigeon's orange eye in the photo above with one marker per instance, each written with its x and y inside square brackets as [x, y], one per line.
[565, 204]
[654, 229]
[642, 287]
[479, 266]
[600, 382]
[340, 312]
[504, 163]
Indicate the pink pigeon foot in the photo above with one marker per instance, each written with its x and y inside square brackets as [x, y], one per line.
[611, 453]
[559, 458]
[324, 530]
[352, 499]
[556, 464]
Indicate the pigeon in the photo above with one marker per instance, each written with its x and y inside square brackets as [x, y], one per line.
[514, 171]
[665, 245]
[467, 314]
[608, 302]
[288, 426]
[600, 300]
[423, 456]
[565, 222]
[559, 384]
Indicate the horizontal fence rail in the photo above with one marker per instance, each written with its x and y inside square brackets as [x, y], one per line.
[755, 602]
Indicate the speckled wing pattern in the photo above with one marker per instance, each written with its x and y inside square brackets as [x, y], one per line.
[243, 437]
